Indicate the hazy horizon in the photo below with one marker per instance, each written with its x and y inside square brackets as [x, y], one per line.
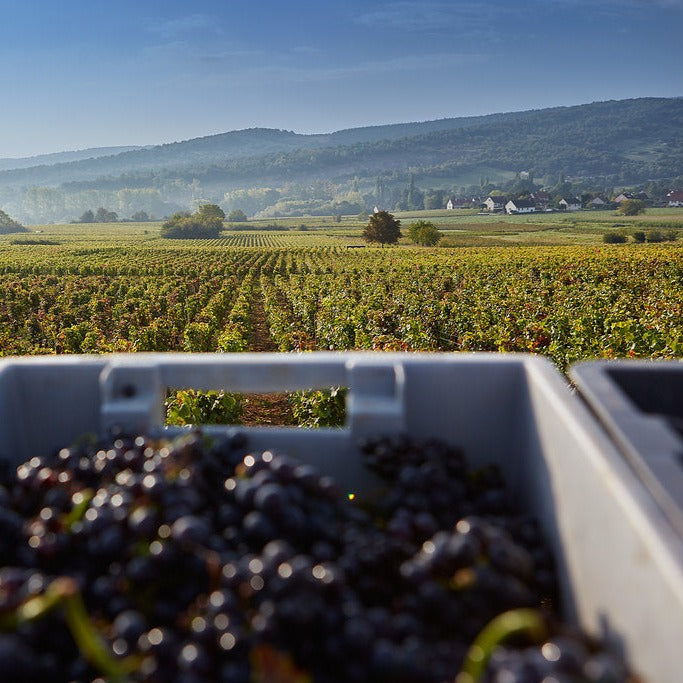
[83, 75]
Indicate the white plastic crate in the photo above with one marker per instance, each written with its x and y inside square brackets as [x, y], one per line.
[620, 560]
[640, 404]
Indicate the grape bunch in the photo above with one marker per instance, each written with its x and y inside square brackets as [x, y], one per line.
[197, 559]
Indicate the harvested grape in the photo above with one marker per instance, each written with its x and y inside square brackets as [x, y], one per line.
[197, 559]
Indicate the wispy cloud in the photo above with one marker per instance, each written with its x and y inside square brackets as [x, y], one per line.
[425, 62]
[306, 50]
[446, 63]
[433, 15]
[426, 16]
[225, 56]
[654, 5]
[172, 28]
[657, 4]
[191, 54]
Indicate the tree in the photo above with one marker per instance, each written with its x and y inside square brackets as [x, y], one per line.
[412, 198]
[383, 228]
[199, 225]
[104, 216]
[8, 224]
[434, 199]
[237, 215]
[210, 212]
[87, 217]
[379, 191]
[140, 216]
[424, 233]
[251, 201]
[631, 207]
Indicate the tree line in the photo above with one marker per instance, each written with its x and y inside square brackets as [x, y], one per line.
[103, 215]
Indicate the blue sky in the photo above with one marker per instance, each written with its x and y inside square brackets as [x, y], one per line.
[91, 73]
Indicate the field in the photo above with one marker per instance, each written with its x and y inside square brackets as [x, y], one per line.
[545, 284]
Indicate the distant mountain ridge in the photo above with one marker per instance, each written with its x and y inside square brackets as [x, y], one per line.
[621, 141]
[239, 144]
[251, 141]
[8, 163]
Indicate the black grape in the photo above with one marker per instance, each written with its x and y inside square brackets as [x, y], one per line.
[198, 559]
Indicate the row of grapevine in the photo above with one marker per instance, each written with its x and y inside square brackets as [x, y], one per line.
[567, 303]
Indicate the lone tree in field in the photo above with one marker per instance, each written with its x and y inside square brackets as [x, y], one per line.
[424, 233]
[383, 228]
[205, 223]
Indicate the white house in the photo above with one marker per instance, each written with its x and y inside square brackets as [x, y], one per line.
[459, 204]
[571, 204]
[495, 202]
[520, 206]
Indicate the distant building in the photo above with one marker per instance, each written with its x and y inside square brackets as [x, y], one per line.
[571, 204]
[597, 203]
[458, 204]
[675, 198]
[541, 198]
[496, 202]
[520, 206]
[629, 195]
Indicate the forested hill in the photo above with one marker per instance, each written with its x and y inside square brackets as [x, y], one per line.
[620, 141]
[62, 157]
[221, 149]
[252, 142]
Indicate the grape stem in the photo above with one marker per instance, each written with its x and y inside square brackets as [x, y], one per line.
[78, 511]
[529, 622]
[63, 592]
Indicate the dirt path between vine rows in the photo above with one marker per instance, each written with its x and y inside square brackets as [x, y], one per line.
[264, 409]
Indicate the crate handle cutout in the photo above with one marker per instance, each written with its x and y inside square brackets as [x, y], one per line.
[133, 390]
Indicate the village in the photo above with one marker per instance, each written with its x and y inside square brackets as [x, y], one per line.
[542, 201]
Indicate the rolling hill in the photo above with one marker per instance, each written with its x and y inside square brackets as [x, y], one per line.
[62, 157]
[627, 141]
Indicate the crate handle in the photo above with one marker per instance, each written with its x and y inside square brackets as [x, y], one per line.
[133, 389]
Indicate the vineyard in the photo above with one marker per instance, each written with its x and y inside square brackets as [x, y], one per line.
[258, 292]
